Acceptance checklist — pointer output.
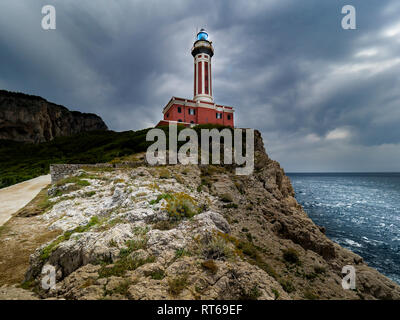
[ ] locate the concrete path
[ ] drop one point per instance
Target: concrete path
(19, 195)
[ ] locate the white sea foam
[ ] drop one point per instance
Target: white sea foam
(353, 243)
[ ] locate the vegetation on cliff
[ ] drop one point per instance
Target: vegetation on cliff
(22, 161)
(179, 232)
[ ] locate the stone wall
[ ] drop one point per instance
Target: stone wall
(61, 171)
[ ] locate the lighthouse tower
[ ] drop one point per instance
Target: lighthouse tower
(201, 109)
(202, 53)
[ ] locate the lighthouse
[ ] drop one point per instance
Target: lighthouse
(202, 53)
(201, 109)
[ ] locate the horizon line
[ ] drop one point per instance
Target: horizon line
(325, 172)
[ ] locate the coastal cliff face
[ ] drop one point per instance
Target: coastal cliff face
(33, 119)
(179, 232)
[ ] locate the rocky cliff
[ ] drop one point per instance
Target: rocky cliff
(33, 119)
(179, 232)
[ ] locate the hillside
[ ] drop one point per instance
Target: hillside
(33, 119)
(178, 232)
(87, 147)
(21, 161)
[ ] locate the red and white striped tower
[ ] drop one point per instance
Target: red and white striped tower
(202, 52)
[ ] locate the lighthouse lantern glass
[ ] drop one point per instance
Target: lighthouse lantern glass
(202, 36)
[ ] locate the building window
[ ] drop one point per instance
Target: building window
(191, 121)
(192, 112)
(180, 120)
(229, 117)
(167, 115)
(179, 110)
(219, 115)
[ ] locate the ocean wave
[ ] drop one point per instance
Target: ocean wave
(353, 243)
(361, 212)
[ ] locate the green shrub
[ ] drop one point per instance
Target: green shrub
(157, 275)
(253, 294)
(227, 197)
(86, 148)
(210, 266)
(176, 285)
(276, 293)
(287, 285)
(122, 288)
(319, 269)
(249, 237)
(180, 206)
(231, 205)
(164, 173)
(132, 245)
(89, 194)
(216, 248)
(48, 250)
(164, 225)
(310, 276)
(309, 295)
(181, 252)
(290, 255)
(160, 197)
(122, 265)
(75, 180)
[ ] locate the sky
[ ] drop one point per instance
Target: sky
(325, 99)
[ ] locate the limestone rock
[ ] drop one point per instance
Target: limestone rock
(33, 119)
(239, 237)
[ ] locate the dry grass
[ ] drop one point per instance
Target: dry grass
(18, 240)
(36, 206)
(177, 285)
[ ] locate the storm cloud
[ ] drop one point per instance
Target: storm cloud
(325, 99)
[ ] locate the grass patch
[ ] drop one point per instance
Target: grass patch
(164, 225)
(290, 255)
(3, 229)
(230, 206)
(160, 197)
(48, 250)
(163, 173)
(122, 288)
(309, 295)
(253, 294)
(181, 205)
(75, 180)
(89, 194)
(122, 265)
(157, 275)
(319, 269)
(177, 285)
(216, 248)
(226, 197)
(287, 285)
(250, 250)
(89, 282)
(27, 285)
(210, 266)
(179, 253)
(132, 245)
(276, 293)
(126, 260)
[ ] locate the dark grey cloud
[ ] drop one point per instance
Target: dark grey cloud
(325, 99)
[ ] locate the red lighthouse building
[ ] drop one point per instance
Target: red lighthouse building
(201, 109)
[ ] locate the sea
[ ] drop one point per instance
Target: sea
(360, 211)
